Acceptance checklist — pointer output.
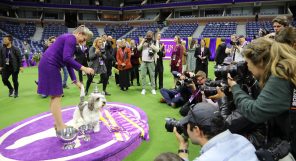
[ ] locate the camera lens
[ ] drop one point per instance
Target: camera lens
(171, 123)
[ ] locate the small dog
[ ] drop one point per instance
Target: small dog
(88, 112)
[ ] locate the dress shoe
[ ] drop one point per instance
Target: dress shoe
(11, 92)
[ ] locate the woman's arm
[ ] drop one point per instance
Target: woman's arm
(68, 51)
(273, 100)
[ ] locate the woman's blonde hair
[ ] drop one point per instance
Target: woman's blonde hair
(178, 39)
(84, 30)
(275, 58)
(96, 41)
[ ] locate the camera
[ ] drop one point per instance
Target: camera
(238, 69)
(170, 123)
(150, 52)
(234, 43)
(278, 150)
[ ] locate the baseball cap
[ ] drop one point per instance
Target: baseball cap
(202, 114)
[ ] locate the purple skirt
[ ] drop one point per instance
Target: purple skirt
(49, 79)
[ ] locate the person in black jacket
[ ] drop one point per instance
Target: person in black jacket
(202, 55)
(159, 62)
(109, 55)
(10, 64)
(220, 52)
(81, 57)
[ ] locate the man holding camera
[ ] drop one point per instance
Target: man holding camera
(234, 50)
(148, 49)
(181, 93)
(204, 126)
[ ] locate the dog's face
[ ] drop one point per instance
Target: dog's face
(96, 101)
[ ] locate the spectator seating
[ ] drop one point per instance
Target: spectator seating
(53, 30)
(141, 31)
(219, 29)
(20, 31)
(253, 27)
(117, 31)
(183, 30)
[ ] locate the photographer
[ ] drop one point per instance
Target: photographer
(97, 57)
(273, 64)
(148, 49)
(204, 126)
(181, 93)
(234, 51)
(202, 55)
(199, 80)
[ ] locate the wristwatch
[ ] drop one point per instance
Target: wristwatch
(183, 151)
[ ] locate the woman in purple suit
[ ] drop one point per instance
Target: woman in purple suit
(60, 54)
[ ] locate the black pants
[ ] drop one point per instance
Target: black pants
(159, 73)
(203, 67)
(109, 67)
(124, 79)
(104, 79)
(135, 73)
(6, 73)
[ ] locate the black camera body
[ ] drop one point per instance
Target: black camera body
(180, 83)
(150, 52)
(234, 43)
(170, 123)
(278, 150)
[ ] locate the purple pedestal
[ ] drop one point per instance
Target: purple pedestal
(34, 138)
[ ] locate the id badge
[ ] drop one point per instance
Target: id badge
(174, 57)
(7, 61)
(101, 62)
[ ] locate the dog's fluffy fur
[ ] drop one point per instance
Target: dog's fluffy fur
(88, 112)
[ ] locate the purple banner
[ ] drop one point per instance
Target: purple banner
(169, 45)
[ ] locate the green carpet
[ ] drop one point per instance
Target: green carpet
(28, 104)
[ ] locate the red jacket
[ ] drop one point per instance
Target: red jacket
(123, 57)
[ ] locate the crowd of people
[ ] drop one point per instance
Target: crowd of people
(236, 117)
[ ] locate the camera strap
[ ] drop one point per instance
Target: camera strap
(233, 57)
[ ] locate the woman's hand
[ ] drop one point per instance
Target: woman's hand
(87, 70)
(217, 96)
(230, 80)
(78, 84)
(97, 51)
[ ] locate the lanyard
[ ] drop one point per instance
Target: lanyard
(8, 53)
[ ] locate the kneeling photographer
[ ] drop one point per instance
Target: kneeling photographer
(273, 64)
(181, 93)
(197, 87)
(204, 126)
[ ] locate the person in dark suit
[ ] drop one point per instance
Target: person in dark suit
(10, 64)
(109, 54)
(135, 56)
(81, 53)
(202, 55)
(220, 52)
(159, 62)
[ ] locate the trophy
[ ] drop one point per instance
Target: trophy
(67, 137)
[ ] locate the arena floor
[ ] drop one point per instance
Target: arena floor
(28, 104)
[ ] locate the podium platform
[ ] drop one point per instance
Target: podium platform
(34, 138)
